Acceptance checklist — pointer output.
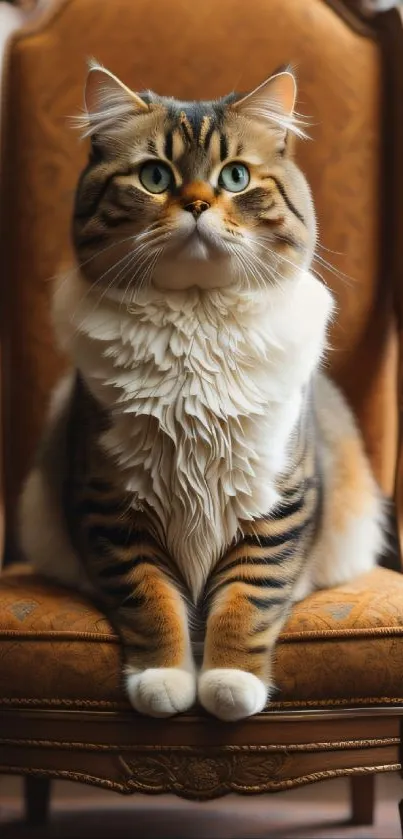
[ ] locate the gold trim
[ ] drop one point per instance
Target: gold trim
(201, 777)
(350, 703)
(59, 634)
(126, 715)
(338, 745)
(347, 634)
(286, 638)
(65, 703)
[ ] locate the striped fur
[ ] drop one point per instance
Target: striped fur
(199, 472)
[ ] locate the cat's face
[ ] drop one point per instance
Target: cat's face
(180, 194)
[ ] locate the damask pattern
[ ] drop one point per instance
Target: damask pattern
(341, 646)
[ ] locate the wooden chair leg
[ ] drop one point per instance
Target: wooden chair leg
(362, 789)
(37, 799)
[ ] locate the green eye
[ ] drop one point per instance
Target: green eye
(155, 176)
(234, 177)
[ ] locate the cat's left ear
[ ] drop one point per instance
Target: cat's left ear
(273, 101)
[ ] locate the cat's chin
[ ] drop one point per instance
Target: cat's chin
(185, 273)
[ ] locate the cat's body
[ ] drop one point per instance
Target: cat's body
(199, 464)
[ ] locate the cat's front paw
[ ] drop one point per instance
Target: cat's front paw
(161, 691)
(231, 694)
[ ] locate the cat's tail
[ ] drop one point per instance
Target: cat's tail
(42, 532)
(351, 536)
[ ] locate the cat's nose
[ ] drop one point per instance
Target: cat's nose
(197, 207)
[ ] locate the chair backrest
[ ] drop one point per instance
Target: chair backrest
(201, 50)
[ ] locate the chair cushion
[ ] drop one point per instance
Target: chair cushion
(340, 647)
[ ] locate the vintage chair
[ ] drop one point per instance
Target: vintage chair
(339, 666)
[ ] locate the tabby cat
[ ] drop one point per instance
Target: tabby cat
(198, 473)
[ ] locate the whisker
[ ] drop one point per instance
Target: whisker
(346, 278)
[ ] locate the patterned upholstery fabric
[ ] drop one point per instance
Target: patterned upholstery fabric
(340, 647)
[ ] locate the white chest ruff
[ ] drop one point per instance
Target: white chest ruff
(204, 393)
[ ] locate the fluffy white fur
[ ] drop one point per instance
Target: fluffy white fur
(204, 389)
(161, 691)
(231, 694)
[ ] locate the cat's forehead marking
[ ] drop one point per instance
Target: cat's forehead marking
(196, 121)
(186, 126)
(205, 126)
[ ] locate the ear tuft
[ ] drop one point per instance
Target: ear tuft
(274, 101)
(107, 101)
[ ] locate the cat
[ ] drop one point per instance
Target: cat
(199, 471)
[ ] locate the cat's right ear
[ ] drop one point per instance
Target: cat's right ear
(108, 101)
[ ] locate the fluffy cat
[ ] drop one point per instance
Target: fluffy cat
(198, 468)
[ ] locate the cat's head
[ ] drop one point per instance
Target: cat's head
(180, 194)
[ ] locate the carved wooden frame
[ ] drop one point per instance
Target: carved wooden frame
(270, 753)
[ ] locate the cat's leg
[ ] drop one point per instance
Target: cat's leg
(351, 537)
(153, 624)
(248, 604)
(133, 576)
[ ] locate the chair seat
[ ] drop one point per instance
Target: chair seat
(340, 647)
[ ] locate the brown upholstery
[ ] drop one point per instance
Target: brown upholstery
(59, 651)
(339, 665)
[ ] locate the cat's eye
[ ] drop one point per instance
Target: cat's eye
(234, 177)
(155, 176)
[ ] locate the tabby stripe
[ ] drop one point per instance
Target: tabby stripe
(113, 221)
(133, 601)
(81, 214)
(124, 566)
(287, 200)
(94, 204)
(287, 495)
(275, 541)
(277, 526)
(168, 146)
(118, 536)
(259, 562)
(209, 134)
(151, 147)
(283, 511)
(265, 603)
(100, 506)
(186, 127)
(223, 147)
(258, 582)
(123, 591)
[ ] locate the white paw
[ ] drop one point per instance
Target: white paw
(161, 691)
(231, 694)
